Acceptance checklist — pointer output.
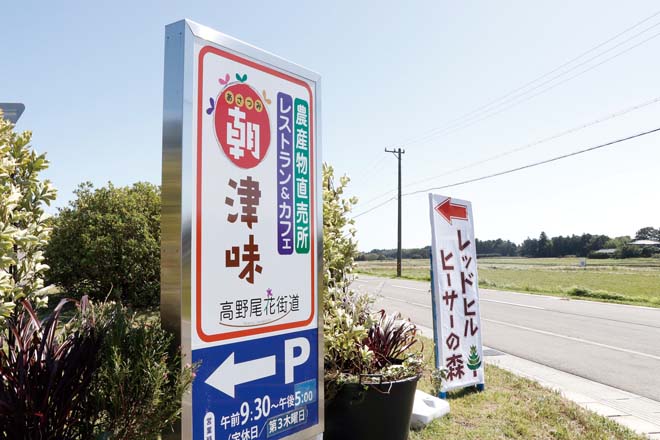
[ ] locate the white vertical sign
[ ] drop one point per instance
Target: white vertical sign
(242, 236)
(457, 324)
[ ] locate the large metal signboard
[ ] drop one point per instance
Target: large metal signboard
(456, 319)
(246, 245)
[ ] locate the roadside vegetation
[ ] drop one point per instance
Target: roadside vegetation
(106, 244)
(627, 281)
(585, 245)
(72, 367)
(514, 408)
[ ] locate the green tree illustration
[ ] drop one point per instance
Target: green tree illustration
(474, 361)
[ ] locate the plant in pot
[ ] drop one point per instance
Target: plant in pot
(371, 369)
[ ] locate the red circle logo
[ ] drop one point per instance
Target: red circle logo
(242, 125)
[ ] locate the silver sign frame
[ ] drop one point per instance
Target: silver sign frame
(178, 189)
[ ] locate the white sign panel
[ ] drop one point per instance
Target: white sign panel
(455, 293)
(255, 192)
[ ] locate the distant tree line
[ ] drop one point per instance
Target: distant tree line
(390, 254)
(499, 248)
(578, 245)
(585, 245)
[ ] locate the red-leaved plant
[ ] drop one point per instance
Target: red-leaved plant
(389, 338)
(45, 373)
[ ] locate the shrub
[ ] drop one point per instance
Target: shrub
(346, 324)
(45, 376)
(24, 227)
(339, 245)
(107, 241)
(357, 343)
(138, 387)
(628, 251)
(649, 251)
(596, 294)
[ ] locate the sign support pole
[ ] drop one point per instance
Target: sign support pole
(436, 346)
(176, 208)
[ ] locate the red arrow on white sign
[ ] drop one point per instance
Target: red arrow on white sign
(450, 210)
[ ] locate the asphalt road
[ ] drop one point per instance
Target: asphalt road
(613, 344)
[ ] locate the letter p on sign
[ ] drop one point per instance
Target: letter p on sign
(290, 359)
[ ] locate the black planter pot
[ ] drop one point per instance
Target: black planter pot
(374, 411)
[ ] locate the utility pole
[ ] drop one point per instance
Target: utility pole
(398, 152)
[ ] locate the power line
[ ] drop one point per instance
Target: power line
(466, 123)
(531, 165)
(375, 207)
(526, 146)
(506, 95)
(521, 98)
(378, 197)
(540, 141)
(375, 166)
(535, 164)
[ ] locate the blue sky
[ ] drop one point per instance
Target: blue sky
(91, 74)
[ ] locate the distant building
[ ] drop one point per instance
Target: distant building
(645, 243)
(605, 251)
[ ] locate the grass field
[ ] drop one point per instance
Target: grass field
(514, 408)
(629, 281)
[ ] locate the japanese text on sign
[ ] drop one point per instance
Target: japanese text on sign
(249, 193)
(285, 197)
(302, 176)
(455, 291)
(255, 231)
